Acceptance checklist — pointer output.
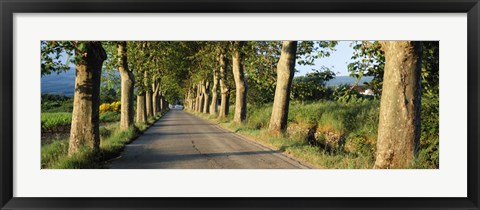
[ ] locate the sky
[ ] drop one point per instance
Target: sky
(337, 62)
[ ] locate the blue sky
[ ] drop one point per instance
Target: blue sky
(337, 62)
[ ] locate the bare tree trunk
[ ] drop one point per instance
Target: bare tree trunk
(285, 72)
(197, 100)
(141, 109)
(162, 103)
(214, 103)
(187, 100)
(399, 121)
(202, 96)
(223, 112)
(155, 98)
(84, 130)
(240, 85)
(206, 100)
(148, 102)
(127, 83)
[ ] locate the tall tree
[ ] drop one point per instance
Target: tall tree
(127, 84)
(214, 103)
(84, 131)
(399, 121)
(240, 83)
(148, 80)
(285, 73)
(137, 54)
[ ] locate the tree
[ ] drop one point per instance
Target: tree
(148, 80)
(240, 83)
(84, 131)
(223, 112)
(399, 121)
(127, 84)
(206, 96)
(138, 62)
(285, 72)
(214, 103)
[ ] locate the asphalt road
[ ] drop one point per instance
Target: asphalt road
(181, 140)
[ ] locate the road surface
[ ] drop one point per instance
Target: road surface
(184, 141)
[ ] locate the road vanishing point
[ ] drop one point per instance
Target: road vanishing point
(180, 140)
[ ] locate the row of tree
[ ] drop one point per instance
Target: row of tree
(398, 66)
(198, 72)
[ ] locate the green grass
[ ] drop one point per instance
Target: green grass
(112, 142)
(109, 117)
(53, 120)
(345, 133)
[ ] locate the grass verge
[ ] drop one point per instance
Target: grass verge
(330, 134)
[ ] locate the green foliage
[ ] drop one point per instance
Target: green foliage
(430, 68)
(312, 86)
(348, 94)
(51, 53)
(53, 120)
(429, 140)
(368, 59)
(56, 103)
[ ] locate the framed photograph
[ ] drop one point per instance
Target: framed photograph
(239, 105)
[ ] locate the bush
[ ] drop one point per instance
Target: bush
(56, 103)
(109, 116)
(110, 107)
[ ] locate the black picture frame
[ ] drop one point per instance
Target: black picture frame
(9, 7)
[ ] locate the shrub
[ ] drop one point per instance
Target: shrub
(56, 103)
(110, 107)
(109, 116)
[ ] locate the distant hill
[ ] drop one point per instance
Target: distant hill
(342, 80)
(64, 83)
(61, 84)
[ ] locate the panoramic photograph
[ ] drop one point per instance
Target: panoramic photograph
(360, 104)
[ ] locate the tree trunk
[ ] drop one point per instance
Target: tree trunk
(399, 121)
(197, 100)
(240, 85)
(206, 97)
(148, 103)
(141, 109)
(285, 73)
(187, 100)
(84, 132)
(223, 112)
(127, 83)
(154, 99)
(214, 103)
(202, 96)
(162, 103)
(192, 98)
